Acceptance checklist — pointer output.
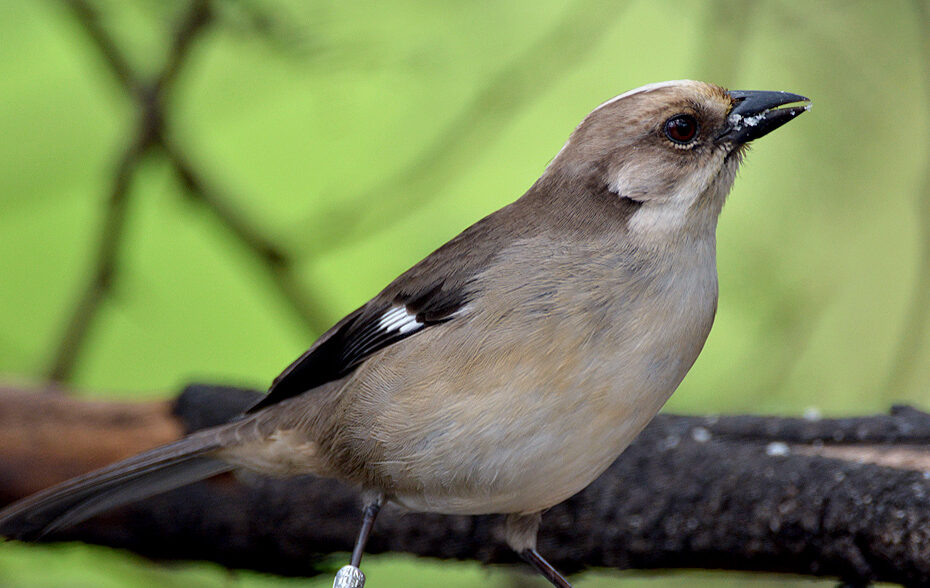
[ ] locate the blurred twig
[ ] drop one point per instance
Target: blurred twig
(727, 26)
(917, 320)
(515, 84)
(89, 19)
(518, 82)
(276, 260)
(279, 29)
(99, 286)
(150, 98)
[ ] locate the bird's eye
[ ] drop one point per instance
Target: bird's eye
(681, 128)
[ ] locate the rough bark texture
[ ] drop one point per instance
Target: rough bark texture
(847, 498)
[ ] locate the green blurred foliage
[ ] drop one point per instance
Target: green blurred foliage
(359, 136)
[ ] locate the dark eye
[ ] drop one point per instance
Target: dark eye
(681, 128)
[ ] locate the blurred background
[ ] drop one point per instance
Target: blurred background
(193, 191)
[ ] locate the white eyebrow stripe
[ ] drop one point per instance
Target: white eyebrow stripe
(647, 88)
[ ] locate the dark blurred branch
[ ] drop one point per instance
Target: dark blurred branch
(916, 325)
(89, 20)
(278, 262)
(110, 239)
(47, 437)
(727, 25)
(282, 29)
(478, 125)
(846, 498)
(193, 23)
(515, 84)
(151, 132)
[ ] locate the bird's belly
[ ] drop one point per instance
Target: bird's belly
(520, 440)
(510, 469)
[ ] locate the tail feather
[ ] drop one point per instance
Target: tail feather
(149, 473)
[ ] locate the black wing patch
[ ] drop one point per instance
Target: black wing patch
(367, 330)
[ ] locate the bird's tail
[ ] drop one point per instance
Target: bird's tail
(146, 474)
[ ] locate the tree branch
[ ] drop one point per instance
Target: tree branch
(846, 498)
(149, 101)
(150, 98)
(89, 20)
(278, 262)
(108, 246)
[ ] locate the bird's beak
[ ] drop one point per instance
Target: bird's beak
(755, 114)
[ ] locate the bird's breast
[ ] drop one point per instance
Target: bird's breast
(535, 391)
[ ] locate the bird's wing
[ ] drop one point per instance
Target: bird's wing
(381, 322)
(429, 293)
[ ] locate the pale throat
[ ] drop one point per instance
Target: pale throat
(692, 207)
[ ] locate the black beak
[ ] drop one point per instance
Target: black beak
(755, 114)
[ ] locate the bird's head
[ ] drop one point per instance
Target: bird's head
(672, 148)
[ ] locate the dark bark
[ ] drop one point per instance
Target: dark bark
(846, 498)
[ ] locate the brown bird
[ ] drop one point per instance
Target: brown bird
(508, 369)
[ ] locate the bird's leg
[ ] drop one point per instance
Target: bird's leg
(372, 507)
(545, 568)
(350, 576)
(520, 531)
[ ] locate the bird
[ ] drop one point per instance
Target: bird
(510, 367)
